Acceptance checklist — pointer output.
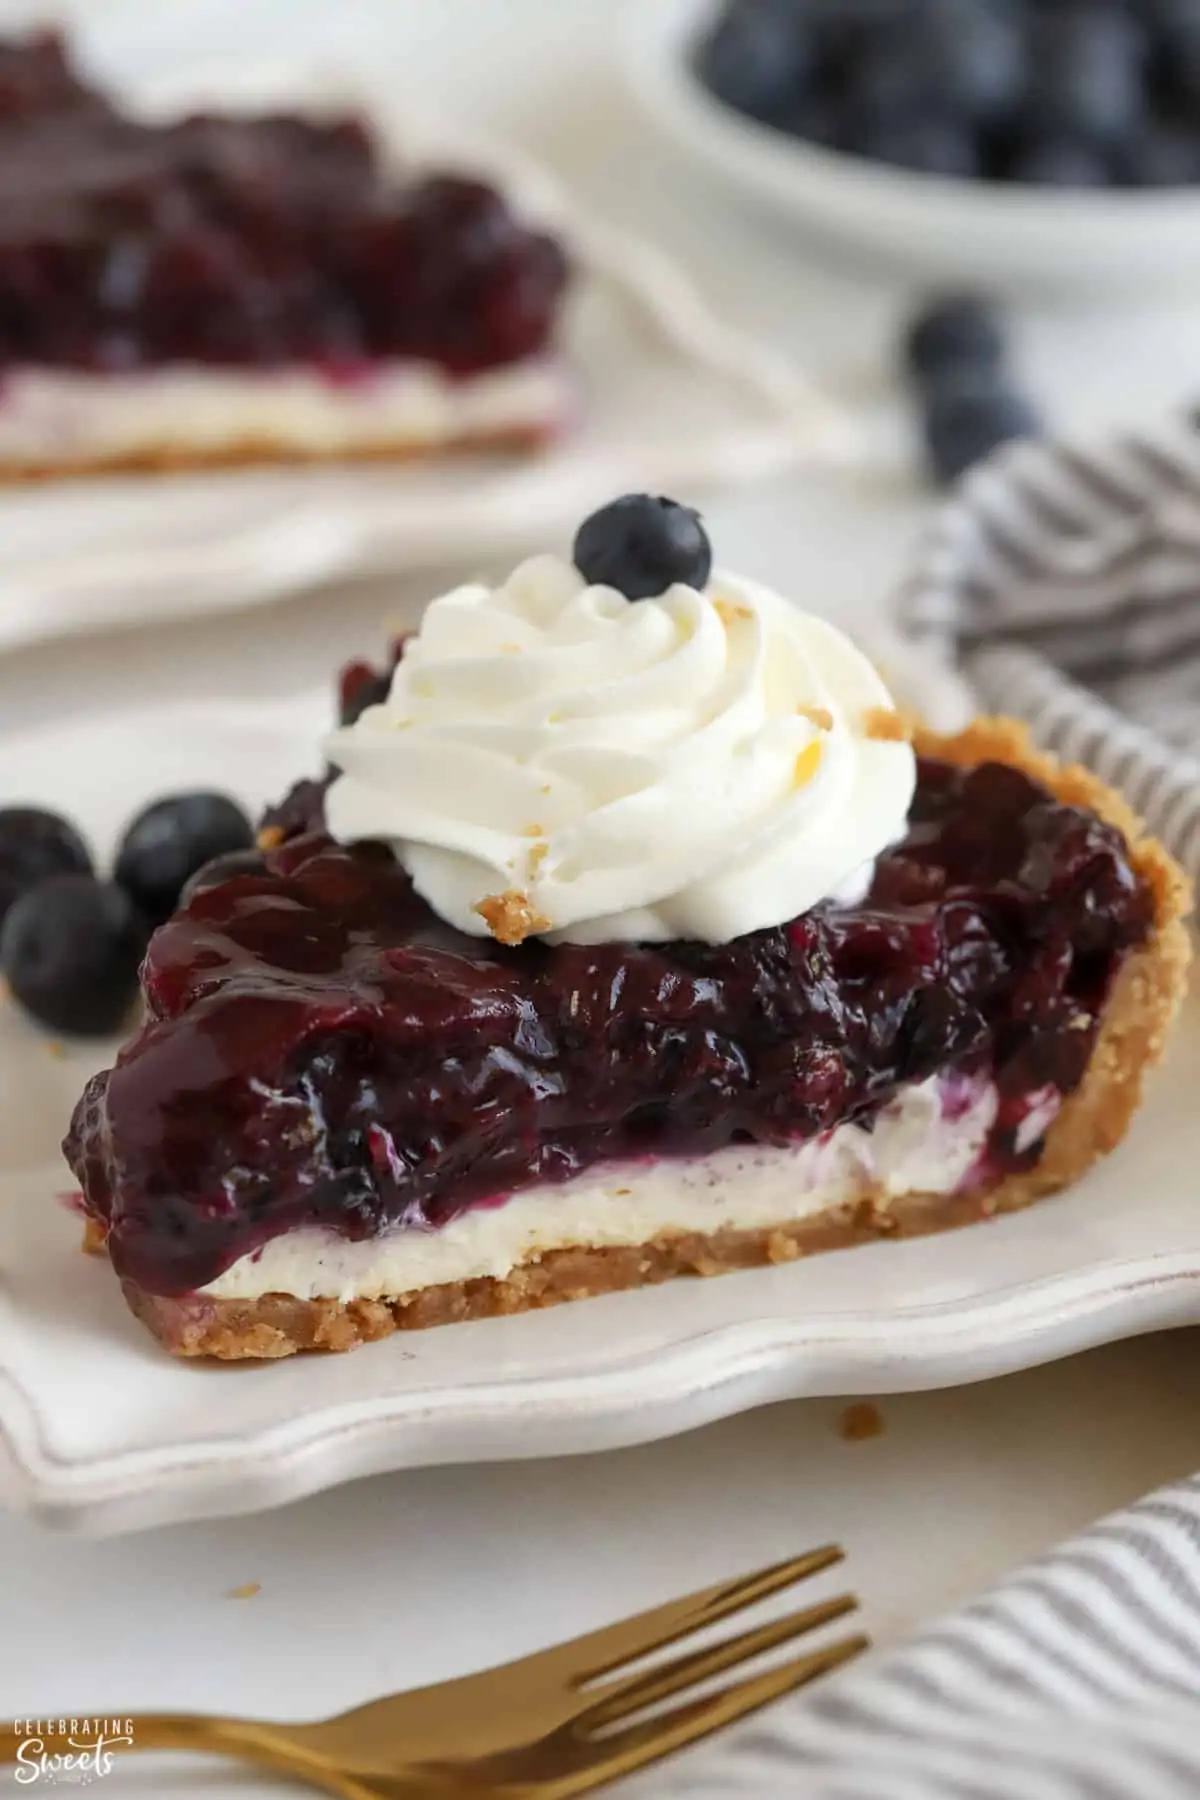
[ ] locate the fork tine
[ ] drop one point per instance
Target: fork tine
(618, 1700)
(601, 1652)
(639, 1745)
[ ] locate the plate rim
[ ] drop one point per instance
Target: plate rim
(656, 1393)
(686, 1377)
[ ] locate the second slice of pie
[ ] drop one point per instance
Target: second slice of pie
(221, 290)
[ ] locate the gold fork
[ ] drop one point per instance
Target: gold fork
(558, 1723)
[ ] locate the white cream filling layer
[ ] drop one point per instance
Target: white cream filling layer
(64, 416)
(929, 1140)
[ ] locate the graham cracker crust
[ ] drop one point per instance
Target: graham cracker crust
(1093, 1120)
(267, 452)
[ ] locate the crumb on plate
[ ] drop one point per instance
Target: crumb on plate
(860, 1421)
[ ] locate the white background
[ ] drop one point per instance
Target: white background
(417, 1577)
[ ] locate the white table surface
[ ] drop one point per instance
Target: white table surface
(417, 1577)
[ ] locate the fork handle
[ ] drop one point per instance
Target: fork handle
(248, 1740)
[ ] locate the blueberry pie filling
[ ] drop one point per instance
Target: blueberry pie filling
(236, 289)
(627, 937)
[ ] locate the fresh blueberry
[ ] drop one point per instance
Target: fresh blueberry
(1174, 27)
(640, 544)
(170, 840)
(222, 869)
(1059, 159)
(958, 332)
(756, 58)
(70, 951)
(818, 119)
(1087, 72)
(841, 33)
(1164, 153)
(930, 143)
(959, 56)
(35, 844)
(966, 421)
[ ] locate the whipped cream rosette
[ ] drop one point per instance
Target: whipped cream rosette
(555, 758)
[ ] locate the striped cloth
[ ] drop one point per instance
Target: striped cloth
(1065, 581)
(1077, 1679)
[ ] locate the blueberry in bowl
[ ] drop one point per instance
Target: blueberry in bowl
(1084, 75)
(630, 934)
(1011, 141)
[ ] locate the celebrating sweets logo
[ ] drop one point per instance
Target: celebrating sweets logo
(77, 1751)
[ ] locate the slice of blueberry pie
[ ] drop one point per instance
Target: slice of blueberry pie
(633, 934)
(220, 290)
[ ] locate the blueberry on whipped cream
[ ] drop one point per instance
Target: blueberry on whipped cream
(561, 757)
(641, 544)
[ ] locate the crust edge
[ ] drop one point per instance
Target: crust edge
(1131, 1042)
(268, 452)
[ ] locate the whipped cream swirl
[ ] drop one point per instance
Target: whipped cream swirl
(556, 759)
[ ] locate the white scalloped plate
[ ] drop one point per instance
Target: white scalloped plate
(101, 1431)
(670, 397)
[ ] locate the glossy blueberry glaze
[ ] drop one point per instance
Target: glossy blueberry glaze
(320, 1049)
(265, 242)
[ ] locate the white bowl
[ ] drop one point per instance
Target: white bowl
(954, 231)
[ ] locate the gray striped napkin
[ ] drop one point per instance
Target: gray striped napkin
(1065, 579)
(1077, 1679)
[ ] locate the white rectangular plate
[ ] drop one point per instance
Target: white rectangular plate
(670, 398)
(102, 1431)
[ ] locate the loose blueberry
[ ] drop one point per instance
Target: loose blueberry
(641, 544)
(965, 422)
(170, 840)
(70, 950)
(35, 844)
(958, 332)
(756, 58)
(222, 869)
